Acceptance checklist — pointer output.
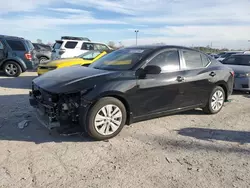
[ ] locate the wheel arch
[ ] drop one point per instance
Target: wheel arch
(120, 96)
(43, 56)
(224, 87)
(21, 64)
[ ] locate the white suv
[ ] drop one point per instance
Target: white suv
(75, 46)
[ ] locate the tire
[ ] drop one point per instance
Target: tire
(12, 69)
(43, 59)
(216, 101)
(102, 129)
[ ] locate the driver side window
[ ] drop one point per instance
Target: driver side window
(168, 61)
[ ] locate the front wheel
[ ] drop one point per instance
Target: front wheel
(216, 101)
(106, 118)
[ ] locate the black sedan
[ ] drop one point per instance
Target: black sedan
(130, 85)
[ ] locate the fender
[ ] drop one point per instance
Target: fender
(17, 60)
(120, 96)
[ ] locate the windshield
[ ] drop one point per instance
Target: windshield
(123, 59)
(89, 55)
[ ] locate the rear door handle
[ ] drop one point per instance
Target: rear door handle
(212, 74)
(180, 78)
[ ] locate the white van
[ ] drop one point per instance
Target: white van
(74, 46)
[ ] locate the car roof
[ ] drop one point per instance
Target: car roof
(83, 41)
(241, 54)
(11, 37)
(159, 47)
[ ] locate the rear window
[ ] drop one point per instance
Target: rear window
(29, 44)
(70, 45)
(237, 60)
(16, 45)
(58, 44)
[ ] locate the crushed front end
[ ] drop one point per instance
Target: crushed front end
(57, 110)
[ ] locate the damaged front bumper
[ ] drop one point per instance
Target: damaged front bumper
(57, 111)
(45, 114)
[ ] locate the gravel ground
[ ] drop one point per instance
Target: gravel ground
(190, 149)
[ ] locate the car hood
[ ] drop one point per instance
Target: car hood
(240, 68)
(66, 61)
(71, 79)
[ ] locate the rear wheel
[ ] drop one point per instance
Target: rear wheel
(216, 101)
(106, 118)
(12, 69)
(43, 59)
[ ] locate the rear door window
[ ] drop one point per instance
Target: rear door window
(87, 46)
(70, 45)
(16, 45)
(246, 60)
(193, 59)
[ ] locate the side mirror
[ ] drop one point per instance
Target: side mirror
(152, 69)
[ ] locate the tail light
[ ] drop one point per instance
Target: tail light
(232, 73)
(28, 56)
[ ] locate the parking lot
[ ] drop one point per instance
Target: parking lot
(190, 149)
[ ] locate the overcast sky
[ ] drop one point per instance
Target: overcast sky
(224, 23)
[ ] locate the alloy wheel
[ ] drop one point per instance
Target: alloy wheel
(217, 100)
(11, 69)
(108, 120)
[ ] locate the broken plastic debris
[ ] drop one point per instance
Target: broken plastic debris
(23, 124)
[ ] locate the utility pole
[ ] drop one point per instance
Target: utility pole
(136, 33)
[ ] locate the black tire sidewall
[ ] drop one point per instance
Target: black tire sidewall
(19, 70)
(210, 99)
(90, 126)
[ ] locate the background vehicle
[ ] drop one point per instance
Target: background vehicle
(43, 52)
(215, 56)
(240, 63)
(74, 46)
(130, 85)
(16, 55)
(83, 59)
(226, 55)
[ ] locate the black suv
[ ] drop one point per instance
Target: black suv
(16, 55)
(43, 52)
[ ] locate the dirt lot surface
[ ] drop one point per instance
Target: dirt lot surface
(184, 150)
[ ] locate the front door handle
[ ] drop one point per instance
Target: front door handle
(212, 74)
(180, 78)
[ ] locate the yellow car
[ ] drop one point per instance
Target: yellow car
(84, 59)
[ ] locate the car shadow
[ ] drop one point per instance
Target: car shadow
(22, 82)
(34, 131)
(189, 145)
(216, 134)
(245, 94)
